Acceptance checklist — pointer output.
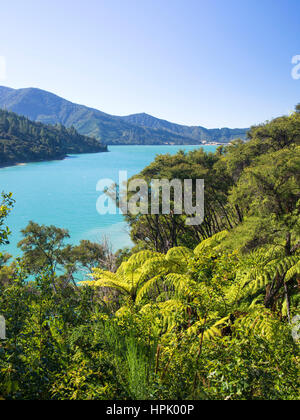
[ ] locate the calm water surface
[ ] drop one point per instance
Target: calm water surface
(63, 193)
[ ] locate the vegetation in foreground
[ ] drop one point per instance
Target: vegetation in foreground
(190, 313)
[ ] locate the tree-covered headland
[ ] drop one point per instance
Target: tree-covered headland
(22, 140)
(205, 312)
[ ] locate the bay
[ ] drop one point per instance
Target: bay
(63, 193)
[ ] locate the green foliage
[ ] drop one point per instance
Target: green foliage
(251, 188)
(175, 331)
(5, 208)
(46, 246)
(22, 140)
(163, 232)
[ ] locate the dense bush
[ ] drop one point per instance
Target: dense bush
(203, 313)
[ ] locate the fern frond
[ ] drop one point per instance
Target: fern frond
(139, 259)
(169, 310)
(103, 279)
(159, 266)
(210, 332)
(212, 242)
(260, 321)
(123, 311)
(149, 286)
(180, 254)
(293, 271)
(259, 277)
(181, 283)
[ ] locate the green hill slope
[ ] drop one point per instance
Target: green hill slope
(22, 140)
(195, 133)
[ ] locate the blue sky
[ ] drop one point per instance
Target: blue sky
(214, 63)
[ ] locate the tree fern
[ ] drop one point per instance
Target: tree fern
(259, 321)
(204, 327)
(276, 268)
(293, 272)
(212, 242)
(180, 254)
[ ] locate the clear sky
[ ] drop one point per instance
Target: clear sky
(214, 63)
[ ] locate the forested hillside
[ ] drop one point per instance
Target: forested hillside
(45, 107)
(222, 135)
(22, 140)
(204, 313)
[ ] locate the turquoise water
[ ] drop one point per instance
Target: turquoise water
(63, 193)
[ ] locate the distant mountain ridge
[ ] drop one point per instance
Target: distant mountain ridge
(45, 107)
(193, 132)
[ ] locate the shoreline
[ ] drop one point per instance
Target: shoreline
(172, 145)
(12, 164)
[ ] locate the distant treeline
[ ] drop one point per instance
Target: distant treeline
(22, 140)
